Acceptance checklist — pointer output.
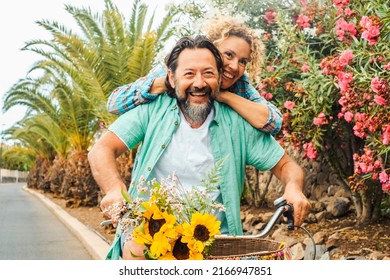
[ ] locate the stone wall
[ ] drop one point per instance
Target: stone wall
(329, 196)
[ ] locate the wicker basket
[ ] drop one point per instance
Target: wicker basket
(239, 248)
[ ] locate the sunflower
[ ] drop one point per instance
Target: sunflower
(156, 230)
(201, 231)
(181, 251)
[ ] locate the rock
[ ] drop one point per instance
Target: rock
(320, 216)
(309, 252)
(248, 221)
(297, 251)
(333, 241)
(338, 206)
(353, 257)
(317, 206)
(325, 256)
(334, 254)
(259, 226)
(282, 235)
(319, 237)
(332, 190)
(311, 218)
(376, 256)
(343, 193)
(320, 191)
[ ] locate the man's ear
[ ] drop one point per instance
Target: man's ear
(171, 78)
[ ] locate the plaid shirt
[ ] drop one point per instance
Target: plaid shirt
(126, 97)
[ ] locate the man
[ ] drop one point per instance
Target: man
(187, 132)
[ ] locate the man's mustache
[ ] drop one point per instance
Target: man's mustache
(199, 91)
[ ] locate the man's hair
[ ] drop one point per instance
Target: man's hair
(198, 42)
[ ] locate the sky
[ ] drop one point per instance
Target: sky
(17, 26)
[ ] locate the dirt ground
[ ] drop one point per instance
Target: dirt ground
(353, 240)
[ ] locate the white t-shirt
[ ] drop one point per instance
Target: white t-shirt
(188, 154)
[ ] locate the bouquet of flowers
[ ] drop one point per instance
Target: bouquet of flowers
(173, 222)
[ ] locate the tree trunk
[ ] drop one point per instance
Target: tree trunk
(367, 207)
(357, 202)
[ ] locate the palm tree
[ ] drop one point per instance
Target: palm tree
(79, 71)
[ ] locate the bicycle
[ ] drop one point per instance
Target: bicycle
(251, 247)
(246, 247)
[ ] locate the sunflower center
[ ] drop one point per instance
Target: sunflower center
(180, 250)
(201, 233)
(155, 225)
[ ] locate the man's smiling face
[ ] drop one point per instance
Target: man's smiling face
(196, 83)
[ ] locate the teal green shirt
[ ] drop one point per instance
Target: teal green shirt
(232, 139)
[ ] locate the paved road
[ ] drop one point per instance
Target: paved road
(29, 231)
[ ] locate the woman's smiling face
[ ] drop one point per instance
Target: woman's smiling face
(235, 53)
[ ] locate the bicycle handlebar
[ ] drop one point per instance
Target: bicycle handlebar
(283, 208)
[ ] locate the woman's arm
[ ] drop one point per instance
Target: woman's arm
(254, 113)
(247, 102)
(143, 90)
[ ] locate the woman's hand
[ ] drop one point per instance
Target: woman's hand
(158, 86)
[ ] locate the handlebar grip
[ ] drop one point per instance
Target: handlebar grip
(290, 217)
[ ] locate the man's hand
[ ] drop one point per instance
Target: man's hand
(299, 202)
(111, 206)
(291, 175)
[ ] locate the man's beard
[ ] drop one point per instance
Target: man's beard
(196, 113)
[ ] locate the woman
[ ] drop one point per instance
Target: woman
(241, 49)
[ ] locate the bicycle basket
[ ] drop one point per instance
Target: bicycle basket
(239, 248)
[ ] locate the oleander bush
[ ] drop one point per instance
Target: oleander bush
(328, 69)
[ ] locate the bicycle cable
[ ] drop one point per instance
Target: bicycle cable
(312, 239)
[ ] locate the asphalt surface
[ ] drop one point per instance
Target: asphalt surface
(34, 228)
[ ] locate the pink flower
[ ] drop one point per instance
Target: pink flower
(371, 31)
(371, 35)
(383, 177)
(359, 117)
(270, 17)
(343, 101)
(320, 119)
(261, 86)
(303, 3)
(344, 79)
(386, 135)
(344, 28)
(267, 95)
(289, 105)
(270, 68)
(348, 12)
(387, 66)
(358, 130)
(340, 3)
(365, 22)
(303, 21)
(346, 57)
(379, 100)
(310, 151)
(348, 116)
(378, 85)
(305, 68)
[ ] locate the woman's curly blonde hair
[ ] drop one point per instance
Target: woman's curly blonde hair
(222, 27)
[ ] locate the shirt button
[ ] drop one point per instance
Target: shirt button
(176, 122)
(162, 146)
(149, 168)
